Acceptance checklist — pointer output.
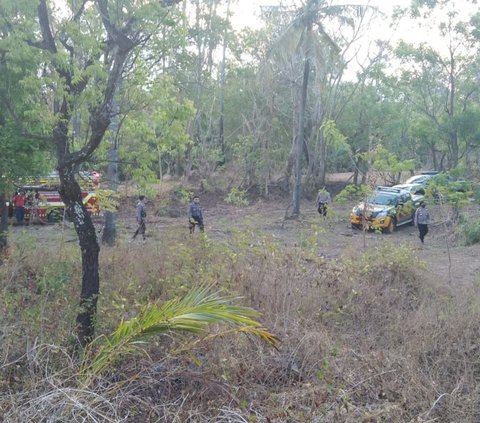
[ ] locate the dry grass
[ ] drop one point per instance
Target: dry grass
(366, 338)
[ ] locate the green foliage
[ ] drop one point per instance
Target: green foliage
(193, 313)
(20, 157)
(387, 164)
(107, 199)
(353, 193)
(334, 137)
(399, 258)
(152, 137)
(206, 159)
(237, 197)
(55, 276)
(444, 189)
(470, 229)
(184, 194)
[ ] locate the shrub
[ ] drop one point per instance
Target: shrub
(471, 231)
(183, 194)
(237, 197)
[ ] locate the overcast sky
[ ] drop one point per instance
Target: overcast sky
(247, 12)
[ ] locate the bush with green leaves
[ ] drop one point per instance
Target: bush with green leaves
(237, 197)
(183, 194)
(470, 229)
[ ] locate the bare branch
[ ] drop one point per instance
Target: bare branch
(48, 40)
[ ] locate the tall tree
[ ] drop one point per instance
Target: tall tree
(80, 53)
(315, 49)
(441, 81)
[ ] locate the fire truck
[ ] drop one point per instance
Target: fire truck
(51, 207)
(48, 205)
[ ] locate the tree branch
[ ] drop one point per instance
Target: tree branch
(48, 40)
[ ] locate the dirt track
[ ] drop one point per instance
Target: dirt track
(334, 235)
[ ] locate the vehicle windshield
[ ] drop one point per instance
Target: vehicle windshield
(382, 199)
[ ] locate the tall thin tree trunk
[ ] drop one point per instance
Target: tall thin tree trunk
(221, 134)
(297, 188)
(322, 160)
(3, 221)
(109, 233)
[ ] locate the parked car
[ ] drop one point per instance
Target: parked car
(419, 179)
(385, 209)
(416, 190)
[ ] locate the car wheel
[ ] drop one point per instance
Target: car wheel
(391, 226)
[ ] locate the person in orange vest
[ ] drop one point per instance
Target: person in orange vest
(19, 203)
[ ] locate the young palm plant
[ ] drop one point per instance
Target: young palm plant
(193, 313)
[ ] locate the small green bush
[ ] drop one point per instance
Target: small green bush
(237, 197)
(183, 194)
(55, 276)
(471, 231)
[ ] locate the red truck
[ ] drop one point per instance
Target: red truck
(49, 206)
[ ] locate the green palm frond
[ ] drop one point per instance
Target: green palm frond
(193, 313)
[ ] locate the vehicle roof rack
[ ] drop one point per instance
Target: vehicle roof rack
(389, 189)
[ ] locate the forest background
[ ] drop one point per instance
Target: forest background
(173, 93)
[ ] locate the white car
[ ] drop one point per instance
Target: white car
(416, 190)
(418, 179)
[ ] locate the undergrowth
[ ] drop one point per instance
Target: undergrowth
(364, 338)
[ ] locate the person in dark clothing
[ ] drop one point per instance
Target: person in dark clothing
(140, 215)
(195, 216)
(422, 218)
(322, 201)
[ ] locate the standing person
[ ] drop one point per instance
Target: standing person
(19, 203)
(195, 216)
(321, 203)
(422, 218)
(140, 215)
(35, 210)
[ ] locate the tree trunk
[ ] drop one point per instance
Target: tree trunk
(109, 234)
(72, 197)
(453, 149)
(434, 156)
(221, 128)
(297, 188)
(3, 221)
(322, 161)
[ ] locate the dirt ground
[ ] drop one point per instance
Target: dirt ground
(443, 253)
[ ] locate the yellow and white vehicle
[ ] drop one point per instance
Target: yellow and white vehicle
(385, 209)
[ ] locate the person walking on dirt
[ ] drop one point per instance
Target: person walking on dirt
(422, 219)
(195, 216)
(19, 203)
(321, 203)
(140, 215)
